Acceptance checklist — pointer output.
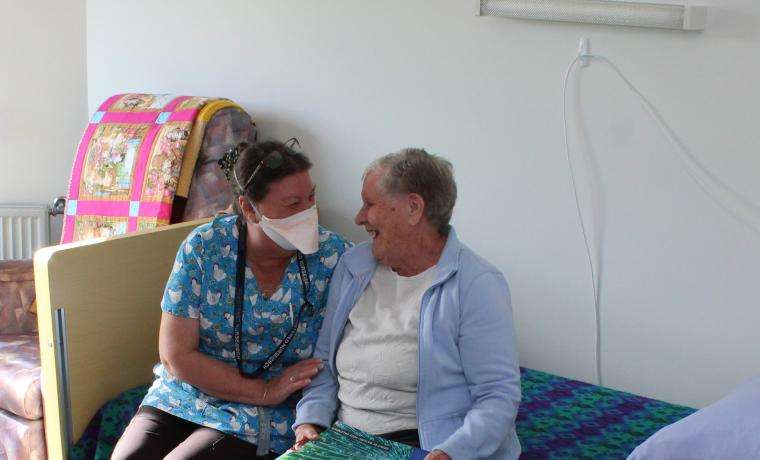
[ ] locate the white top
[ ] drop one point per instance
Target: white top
(377, 360)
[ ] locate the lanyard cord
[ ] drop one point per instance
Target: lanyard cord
(303, 271)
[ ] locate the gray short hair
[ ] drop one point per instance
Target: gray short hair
(414, 170)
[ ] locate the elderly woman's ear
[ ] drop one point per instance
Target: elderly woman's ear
(416, 208)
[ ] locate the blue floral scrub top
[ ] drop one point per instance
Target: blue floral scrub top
(202, 285)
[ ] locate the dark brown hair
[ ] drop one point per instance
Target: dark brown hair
(251, 155)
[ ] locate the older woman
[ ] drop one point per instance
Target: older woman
(241, 312)
(418, 333)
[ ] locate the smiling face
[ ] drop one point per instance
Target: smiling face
(287, 196)
(386, 219)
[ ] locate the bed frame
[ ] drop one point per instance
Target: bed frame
(98, 308)
(96, 343)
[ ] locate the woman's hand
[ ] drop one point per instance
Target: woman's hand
(294, 378)
(305, 433)
(437, 455)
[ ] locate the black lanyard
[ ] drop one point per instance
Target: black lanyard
(303, 271)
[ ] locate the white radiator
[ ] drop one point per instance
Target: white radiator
(23, 230)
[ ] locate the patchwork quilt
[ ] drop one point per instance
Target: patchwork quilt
(137, 153)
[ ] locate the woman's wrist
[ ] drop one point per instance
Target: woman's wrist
(255, 392)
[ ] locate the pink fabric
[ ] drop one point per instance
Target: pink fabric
(115, 208)
(129, 117)
(81, 152)
(128, 164)
(177, 102)
(21, 439)
(20, 391)
(68, 228)
(142, 162)
(183, 115)
(109, 102)
(162, 210)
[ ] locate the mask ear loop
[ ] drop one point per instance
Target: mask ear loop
(255, 210)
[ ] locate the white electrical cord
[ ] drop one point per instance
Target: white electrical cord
(592, 267)
(731, 201)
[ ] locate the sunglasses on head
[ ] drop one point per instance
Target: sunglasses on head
(272, 161)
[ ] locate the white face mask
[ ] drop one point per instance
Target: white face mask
(299, 231)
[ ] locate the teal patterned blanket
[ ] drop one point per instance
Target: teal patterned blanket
(559, 419)
(342, 442)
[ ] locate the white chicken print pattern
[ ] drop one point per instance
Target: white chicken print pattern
(202, 286)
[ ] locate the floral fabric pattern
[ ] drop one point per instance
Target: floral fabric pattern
(136, 155)
(17, 313)
(202, 285)
(20, 391)
(21, 439)
(110, 160)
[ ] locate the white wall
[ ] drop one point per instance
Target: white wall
(43, 97)
(355, 79)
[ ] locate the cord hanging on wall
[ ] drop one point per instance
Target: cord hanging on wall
(741, 208)
(615, 13)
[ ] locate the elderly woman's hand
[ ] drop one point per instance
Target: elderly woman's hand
(437, 455)
(294, 378)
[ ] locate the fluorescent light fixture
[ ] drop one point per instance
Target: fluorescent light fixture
(659, 15)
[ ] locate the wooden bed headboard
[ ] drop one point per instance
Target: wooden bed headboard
(98, 314)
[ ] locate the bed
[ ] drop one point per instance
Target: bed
(559, 418)
(99, 316)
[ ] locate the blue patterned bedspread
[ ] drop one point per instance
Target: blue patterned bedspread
(566, 419)
(558, 419)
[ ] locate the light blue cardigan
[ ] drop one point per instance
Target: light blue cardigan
(469, 380)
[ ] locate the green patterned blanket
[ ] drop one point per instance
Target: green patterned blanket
(558, 419)
(342, 442)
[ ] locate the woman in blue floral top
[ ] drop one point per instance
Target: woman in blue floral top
(219, 394)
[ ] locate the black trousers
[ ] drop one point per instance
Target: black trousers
(408, 437)
(155, 434)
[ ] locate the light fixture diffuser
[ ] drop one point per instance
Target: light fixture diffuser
(658, 15)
